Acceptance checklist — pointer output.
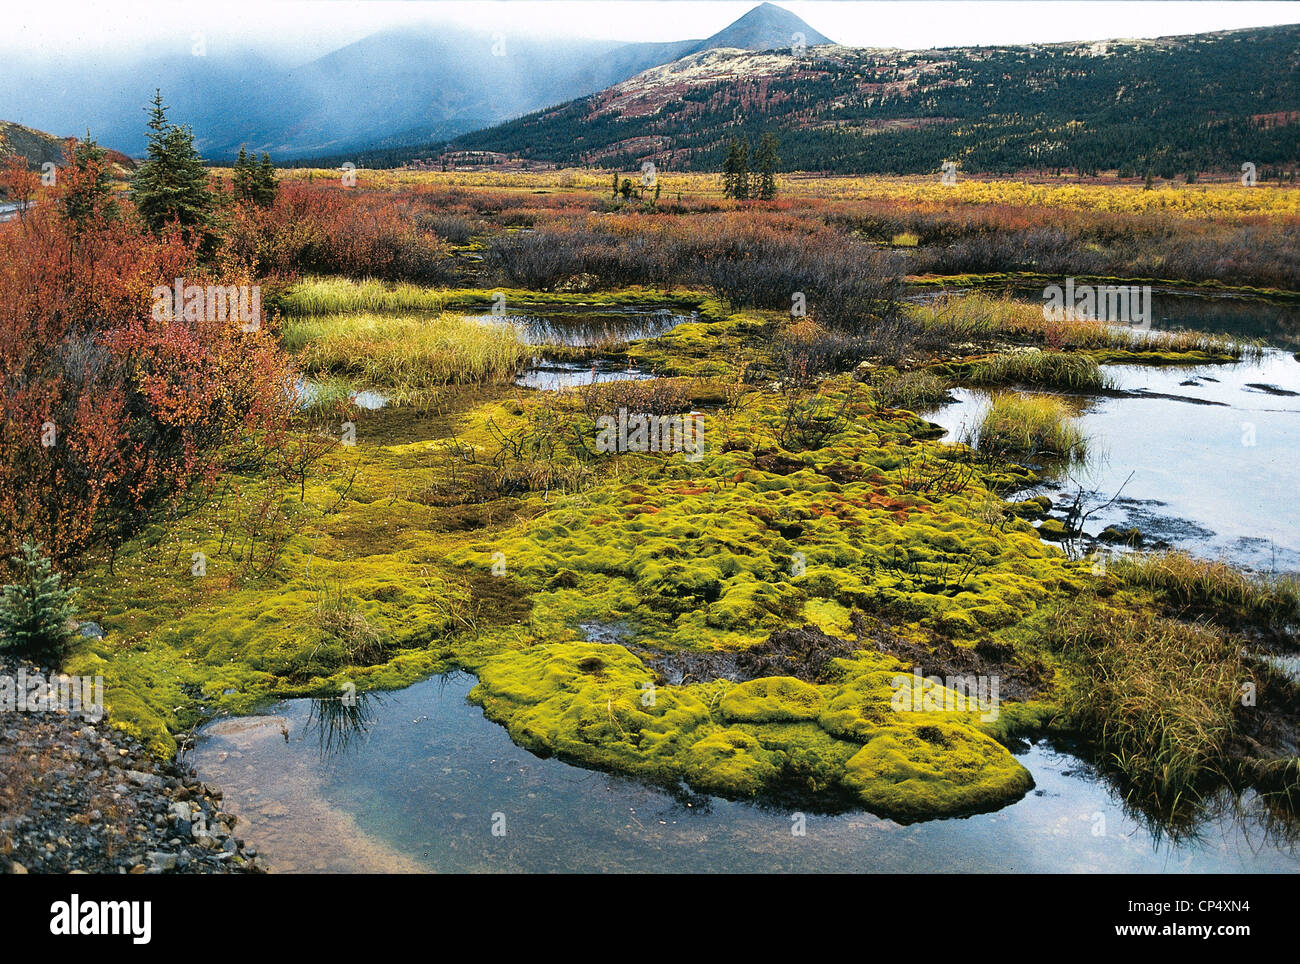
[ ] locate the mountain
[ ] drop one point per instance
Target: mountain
(38, 148)
(400, 86)
(1205, 102)
(766, 27)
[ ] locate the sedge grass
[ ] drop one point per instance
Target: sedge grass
(326, 296)
(1031, 425)
(1156, 694)
(405, 353)
(1050, 369)
(979, 315)
(910, 390)
(335, 295)
(1214, 587)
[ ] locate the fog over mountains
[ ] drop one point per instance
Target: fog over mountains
(399, 86)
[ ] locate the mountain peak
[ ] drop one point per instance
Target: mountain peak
(766, 27)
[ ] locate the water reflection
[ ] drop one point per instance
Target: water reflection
(421, 789)
(604, 327)
(552, 376)
(340, 723)
(1202, 459)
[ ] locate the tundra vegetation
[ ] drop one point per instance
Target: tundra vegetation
(238, 547)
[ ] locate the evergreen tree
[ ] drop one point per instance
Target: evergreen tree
(89, 195)
(172, 185)
(34, 612)
(243, 177)
(735, 170)
(265, 185)
(766, 161)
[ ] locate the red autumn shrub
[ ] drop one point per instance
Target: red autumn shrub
(320, 229)
(106, 411)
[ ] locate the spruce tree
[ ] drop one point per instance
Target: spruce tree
(89, 196)
(34, 612)
(735, 170)
(172, 185)
(766, 161)
(264, 182)
(243, 177)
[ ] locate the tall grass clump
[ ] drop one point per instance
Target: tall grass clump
(1050, 369)
(978, 315)
(345, 630)
(1157, 695)
(323, 296)
(910, 390)
(406, 353)
(1032, 425)
(1214, 588)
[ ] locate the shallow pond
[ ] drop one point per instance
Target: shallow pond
(587, 327)
(421, 784)
(307, 391)
(1212, 451)
(549, 375)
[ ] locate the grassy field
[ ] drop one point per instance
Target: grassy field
(1220, 200)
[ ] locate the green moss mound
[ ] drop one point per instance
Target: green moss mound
(940, 767)
(773, 699)
(442, 552)
(596, 704)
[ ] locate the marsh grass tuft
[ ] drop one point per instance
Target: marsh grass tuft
(911, 390)
(1158, 695)
(323, 296)
(1050, 369)
(1214, 588)
(338, 619)
(973, 316)
(1031, 425)
(406, 353)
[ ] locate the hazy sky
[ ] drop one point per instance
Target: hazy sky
(301, 29)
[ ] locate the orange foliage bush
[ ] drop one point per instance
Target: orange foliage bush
(106, 412)
(321, 229)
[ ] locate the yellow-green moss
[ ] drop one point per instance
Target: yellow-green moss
(772, 699)
(596, 704)
(940, 767)
(687, 556)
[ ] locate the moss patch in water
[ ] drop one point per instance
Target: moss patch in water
(596, 704)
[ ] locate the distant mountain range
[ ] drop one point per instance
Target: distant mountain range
(395, 87)
(1207, 102)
